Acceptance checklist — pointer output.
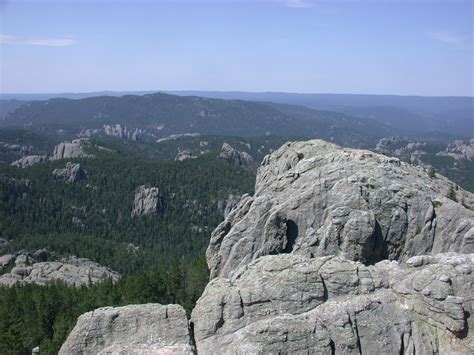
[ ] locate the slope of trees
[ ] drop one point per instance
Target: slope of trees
(161, 257)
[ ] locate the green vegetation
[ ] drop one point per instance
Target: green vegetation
(432, 173)
(32, 315)
(452, 194)
(161, 257)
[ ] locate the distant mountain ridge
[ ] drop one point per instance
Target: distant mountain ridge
(162, 114)
(451, 115)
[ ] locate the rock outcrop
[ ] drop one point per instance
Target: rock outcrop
(147, 201)
(459, 150)
(123, 132)
(74, 149)
(29, 160)
(225, 206)
(72, 271)
(73, 172)
(315, 199)
(237, 158)
(135, 329)
(17, 148)
(290, 303)
(184, 155)
(340, 251)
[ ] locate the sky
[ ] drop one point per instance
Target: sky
(404, 47)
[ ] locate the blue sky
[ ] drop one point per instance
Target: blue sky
(408, 47)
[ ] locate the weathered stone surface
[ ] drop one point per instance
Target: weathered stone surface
(74, 149)
(147, 201)
(339, 251)
(29, 160)
(72, 271)
(136, 329)
(73, 172)
(314, 198)
(459, 150)
(237, 158)
(226, 205)
(295, 304)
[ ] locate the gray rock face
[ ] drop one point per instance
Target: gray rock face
(71, 173)
(339, 251)
(147, 201)
(314, 198)
(237, 158)
(123, 132)
(29, 160)
(74, 149)
(295, 304)
(72, 271)
(459, 150)
(225, 206)
(135, 329)
(184, 155)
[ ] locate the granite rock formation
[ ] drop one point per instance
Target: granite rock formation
(74, 149)
(237, 158)
(73, 271)
(134, 329)
(339, 251)
(29, 160)
(315, 198)
(225, 206)
(147, 201)
(459, 150)
(290, 303)
(73, 172)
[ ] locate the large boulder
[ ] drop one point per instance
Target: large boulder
(147, 201)
(72, 271)
(315, 198)
(285, 304)
(135, 329)
(73, 172)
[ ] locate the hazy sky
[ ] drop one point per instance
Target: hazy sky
(422, 47)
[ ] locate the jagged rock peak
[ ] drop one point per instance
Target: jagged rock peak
(73, 172)
(315, 198)
(147, 201)
(135, 329)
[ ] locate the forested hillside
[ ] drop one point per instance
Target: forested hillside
(160, 256)
(159, 115)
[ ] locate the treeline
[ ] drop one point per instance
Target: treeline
(161, 257)
(32, 315)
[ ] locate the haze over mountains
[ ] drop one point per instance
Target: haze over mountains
(411, 114)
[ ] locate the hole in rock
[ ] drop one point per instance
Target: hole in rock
(291, 235)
